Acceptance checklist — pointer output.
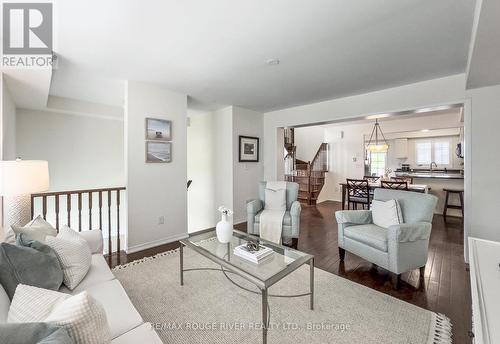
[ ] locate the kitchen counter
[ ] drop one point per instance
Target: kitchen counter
(439, 175)
(437, 180)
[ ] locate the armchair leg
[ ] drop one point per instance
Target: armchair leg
(396, 279)
(341, 254)
(422, 271)
(295, 243)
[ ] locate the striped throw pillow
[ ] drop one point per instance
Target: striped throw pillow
(73, 253)
(81, 315)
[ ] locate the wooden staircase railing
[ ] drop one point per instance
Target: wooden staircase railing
(106, 198)
(311, 175)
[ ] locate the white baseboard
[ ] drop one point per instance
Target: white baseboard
(154, 243)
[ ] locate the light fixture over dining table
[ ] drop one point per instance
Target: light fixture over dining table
(374, 144)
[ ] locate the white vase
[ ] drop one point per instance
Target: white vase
(224, 230)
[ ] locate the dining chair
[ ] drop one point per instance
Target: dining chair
(395, 185)
(409, 180)
(358, 192)
(372, 179)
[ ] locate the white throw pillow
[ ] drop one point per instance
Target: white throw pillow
(386, 214)
(73, 253)
(275, 199)
(33, 304)
(37, 229)
(81, 315)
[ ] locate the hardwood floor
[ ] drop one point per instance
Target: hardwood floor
(445, 287)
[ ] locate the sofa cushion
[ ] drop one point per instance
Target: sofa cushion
(94, 240)
(4, 305)
(39, 333)
(386, 213)
(287, 219)
(81, 315)
(73, 253)
(32, 304)
(37, 229)
(33, 266)
(99, 272)
(371, 235)
(142, 334)
(121, 314)
(275, 199)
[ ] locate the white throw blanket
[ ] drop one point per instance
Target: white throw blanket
(271, 218)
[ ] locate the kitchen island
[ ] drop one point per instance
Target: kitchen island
(437, 180)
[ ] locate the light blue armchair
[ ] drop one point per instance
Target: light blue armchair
(399, 248)
(291, 220)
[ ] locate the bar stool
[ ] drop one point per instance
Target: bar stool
(447, 206)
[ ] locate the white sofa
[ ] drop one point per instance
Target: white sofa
(127, 326)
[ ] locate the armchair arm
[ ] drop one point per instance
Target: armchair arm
(409, 232)
(353, 217)
(295, 210)
(253, 207)
(408, 245)
(94, 239)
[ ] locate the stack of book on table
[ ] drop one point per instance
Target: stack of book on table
(262, 254)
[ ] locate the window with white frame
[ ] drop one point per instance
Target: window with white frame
(377, 163)
(442, 153)
(424, 153)
(434, 150)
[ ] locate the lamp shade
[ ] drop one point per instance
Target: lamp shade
(380, 148)
(23, 177)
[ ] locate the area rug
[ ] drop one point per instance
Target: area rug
(211, 309)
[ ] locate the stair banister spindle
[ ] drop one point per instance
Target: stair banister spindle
(57, 211)
(110, 247)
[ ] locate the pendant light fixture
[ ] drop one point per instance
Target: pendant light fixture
(377, 146)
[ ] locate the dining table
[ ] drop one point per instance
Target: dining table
(422, 188)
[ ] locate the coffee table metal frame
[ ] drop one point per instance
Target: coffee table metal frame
(263, 285)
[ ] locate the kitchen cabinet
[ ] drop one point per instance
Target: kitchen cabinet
(401, 148)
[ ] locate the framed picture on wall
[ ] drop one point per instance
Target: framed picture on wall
(248, 149)
(158, 129)
(158, 152)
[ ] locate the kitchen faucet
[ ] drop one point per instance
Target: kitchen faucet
(432, 164)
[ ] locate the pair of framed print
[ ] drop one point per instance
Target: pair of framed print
(158, 135)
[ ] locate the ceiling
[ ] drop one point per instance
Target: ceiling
(484, 61)
(217, 51)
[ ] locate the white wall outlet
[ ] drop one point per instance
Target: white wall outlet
(161, 220)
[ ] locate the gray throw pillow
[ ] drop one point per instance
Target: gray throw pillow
(34, 333)
(36, 265)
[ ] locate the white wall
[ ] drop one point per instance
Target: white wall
(484, 203)
(481, 124)
(201, 169)
(308, 140)
(8, 124)
(218, 177)
(7, 132)
(223, 158)
(83, 152)
(155, 189)
(246, 175)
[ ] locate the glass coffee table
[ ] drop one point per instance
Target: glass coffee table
(263, 275)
